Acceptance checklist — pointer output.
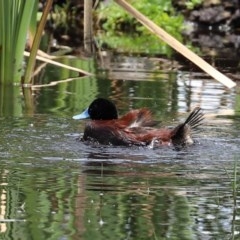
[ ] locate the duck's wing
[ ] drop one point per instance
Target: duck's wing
(138, 118)
(110, 132)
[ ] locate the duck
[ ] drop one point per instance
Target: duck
(137, 127)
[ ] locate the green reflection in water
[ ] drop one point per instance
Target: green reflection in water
(53, 204)
(40, 202)
(67, 97)
(73, 97)
(157, 91)
(85, 197)
(63, 96)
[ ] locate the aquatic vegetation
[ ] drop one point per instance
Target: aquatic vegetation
(15, 21)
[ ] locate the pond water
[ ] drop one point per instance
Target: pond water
(55, 187)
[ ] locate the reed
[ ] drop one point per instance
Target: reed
(31, 61)
(15, 17)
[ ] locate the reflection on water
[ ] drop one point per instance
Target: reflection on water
(55, 187)
(194, 89)
(59, 188)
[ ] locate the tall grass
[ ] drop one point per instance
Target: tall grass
(15, 16)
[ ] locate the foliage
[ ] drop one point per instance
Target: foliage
(15, 17)
(192, 3)
(159, 11)
(135, 43)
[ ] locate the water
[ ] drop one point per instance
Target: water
(55, 187)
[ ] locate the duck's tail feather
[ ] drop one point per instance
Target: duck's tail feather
(181, 135)
(195, 118)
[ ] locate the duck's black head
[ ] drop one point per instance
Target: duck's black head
(99, 109)
(102, 109)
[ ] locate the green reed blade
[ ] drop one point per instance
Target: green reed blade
(2, 39)
(15, 16)
(23, 19)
